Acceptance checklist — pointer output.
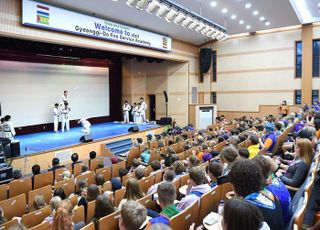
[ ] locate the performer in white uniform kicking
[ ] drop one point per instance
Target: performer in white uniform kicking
(133, 112)
(126, 108)
(64, 98)
(85, 125)
(8, 128)
(143, 109)
(56, 115)
(65, 117)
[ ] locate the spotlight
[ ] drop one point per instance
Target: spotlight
(171, 15)
(194, 24)
(206, 30)
(153, 6)
(132, 3)
(179, 18)
(187, 21)
(163, 10)
(211, 32)
(141, 4)
(200, 27)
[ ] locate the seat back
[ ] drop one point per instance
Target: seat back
(36, 217)
(15, 206)
(133, 153)
(3, 192)
(43, 226)
(148, 202)
(116, 167)
(90, 210)
(58, 174)
(153, 144)
(9, 224)
(225, 188)
(148, 170)
(78, 214)
(73, 200)
(209, 203)
(93, 163)
(110, 222)
(118, 196)
(146, 183)
(89, 177)
(45, 191)
(18, 187)
(67, 185)
(299, 215)
(219, 146)
(184, 180)
(43, 179)
(107, 186)
(89, 226)
(184, 219)
(77, 168)
(158, 176)
(106, 172)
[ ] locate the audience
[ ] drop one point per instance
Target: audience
(227, 156)
(139, 173)
(17, 174)
(39, 202)
(168, 176)
(103, 208)
(99, 179)
(60, 193)
(55, 164)
(133, 215)
(214, 171)
(253, 145)
(89, 195)
(133, 192)
(54, 202)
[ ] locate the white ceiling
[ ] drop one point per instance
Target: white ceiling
(278, 12)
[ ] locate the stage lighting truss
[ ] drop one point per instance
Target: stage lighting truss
(173, 12)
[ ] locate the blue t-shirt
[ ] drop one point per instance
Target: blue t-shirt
(145, 156)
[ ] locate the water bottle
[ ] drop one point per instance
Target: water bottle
(220, 207)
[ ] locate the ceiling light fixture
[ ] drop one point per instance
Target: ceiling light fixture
(194, 24)
(187, 22)
(171, 15)
(181, 16)
(248, 27)
(132, 3)
(255, 12)
(163, 10)
(224, 10)
(142, 4)
(233, 16)
(153, 6)
(261, 18)
(267, 23)
(213, 4)
(200, 27)
(248, 5)
(241, 22)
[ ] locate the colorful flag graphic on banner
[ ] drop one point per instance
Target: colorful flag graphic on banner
(43, 14)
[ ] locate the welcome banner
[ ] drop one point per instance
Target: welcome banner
(53, 18)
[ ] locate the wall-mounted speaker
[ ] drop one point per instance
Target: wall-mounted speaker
(205, 59)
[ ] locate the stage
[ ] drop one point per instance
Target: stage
(48, 141)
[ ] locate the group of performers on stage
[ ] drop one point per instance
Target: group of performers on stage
(138, 112)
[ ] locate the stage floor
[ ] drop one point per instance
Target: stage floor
(46, 141)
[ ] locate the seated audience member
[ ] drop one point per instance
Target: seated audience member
(246, 178)
(228, 155)
(155, 165)
(35, 171)
(84, 169)
(116, 184)
(103, 208)
(100, 165)
(145, 155)
(278, 129)
(99, 179)
(17, 174)
(92, 193)
(81, 187)
(135, 164)
(268, 140)
(75, 160)
(167, 156)
(55, 200)
(63, 217)
(92, 156)
(179, 169)
(196, 187)
(244, 153)
(66, 174)
(296, 172)
(168, 176)
(160, 226)
(55, 164)
(133, 215)
(166, 197)
(253, 145)
(133, 192)
(214, 171)
(60, 193)
(241, 214)
(39, 202)
(193, 161)
(204, 148)
(123, 172)
(208, 156)
(274, 185)
(139, 173)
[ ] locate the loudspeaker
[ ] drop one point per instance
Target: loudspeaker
(165, 121)
(12, 150)
(133, 129)
(205, 59)
(165, 96)
(86, 138)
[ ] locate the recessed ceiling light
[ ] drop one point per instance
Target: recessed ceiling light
(319, 4)
(255, 12)
(241, 22)
(248, 27)
(213, 4)
(267, 23)
(224, 10)
(248, 5)
(262, 18)
(233, 16)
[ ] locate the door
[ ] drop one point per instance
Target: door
(152, 107)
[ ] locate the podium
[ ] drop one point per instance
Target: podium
(202, 115)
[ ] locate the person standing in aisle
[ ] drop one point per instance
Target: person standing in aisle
(65, 123)
(56, 115)
(126, 108)
(143, 108)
